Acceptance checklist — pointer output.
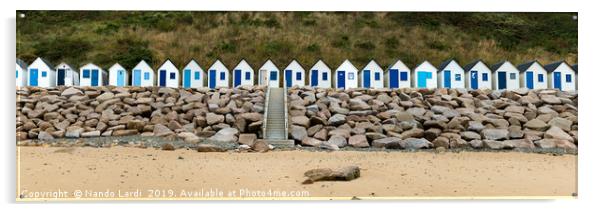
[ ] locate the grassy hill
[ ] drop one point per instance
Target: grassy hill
(105, 37)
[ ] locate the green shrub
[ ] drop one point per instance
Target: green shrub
(128, 52)
(314, 47)
(367, 45)
(62, 48)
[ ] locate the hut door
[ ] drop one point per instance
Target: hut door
(341, 79)
(447, 79)
(94, 77)
(33, 77)
(289, 78)
(237, 77)
(61, 77)
(212, 79)
(120, 78)
(474, 80)
(530, 79)
(162, 77)
(393, 78)
(366, 79)
(187, 78)
(422, 78)
(557, 80)
(501, 80)
(137, 77)
(314, 78)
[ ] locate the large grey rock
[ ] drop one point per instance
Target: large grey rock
(495, 134)
(89, 134)
(213, 118)
(470, 135)
(309, 141)
(416, 143)
(515, 132)
(549, 99)
(71, 91)
(225, 135)
(73, 132)
(358, 104)
(301, 121)
(520, 143)
(43, 135)
(475, 126)
(557, 133)
(358, 141)
(209, 148)
(441, 142)
(247, 139)
(298, 133)
(561, 123)
(162, 130)
(389, 143)
(338, 140)
(328, 146)
(325, 174)
(337, 119)
(496, 145)
(253, 117)
(536, 124)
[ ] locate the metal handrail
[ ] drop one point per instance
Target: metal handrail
(265, 112)
(285, 93)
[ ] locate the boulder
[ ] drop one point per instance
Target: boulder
(561, 123)
(225, 135)
(89, 134)
(300, 120)
(209, 148)
(536, 124)
(515, 132)
(337, 119)
(247, 139)
(557, 133)
(73, 132)
(298, 133)
(309, 141)
(325, 174)
(162, 130)
(260, 146)
(441, 142)
(136, 125)
(358, 141)
(358, 104)
(124, 132)
(213, 118)
(71, 91)
(328, 146)
(338, 140)
(416, 143)
(45, 136)
(252, 117)
(388, 142)
(477, 144)
(168, 147)
(322, 134)
(470, 135)
(496, 145)
(495, 134)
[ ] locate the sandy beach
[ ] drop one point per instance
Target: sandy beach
(122, 173)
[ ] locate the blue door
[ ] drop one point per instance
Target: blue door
(120, 78)
(137, 77)
(212, 79)
(94, 77)
(60, 80)
(187, 78)
(33, 77)
(162, 77)
(341, 79)
(447, 79)
(366, 79)
(501, 80)
(393, 78)
(237, 77)
(288, 76)
(530, 79)
(314, 78)
(557, 80)
(474, 80)
(423, 77)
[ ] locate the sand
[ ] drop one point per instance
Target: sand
(124, 173)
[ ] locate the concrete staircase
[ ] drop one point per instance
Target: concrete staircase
(276, 119)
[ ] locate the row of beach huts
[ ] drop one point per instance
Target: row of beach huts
(449, 74)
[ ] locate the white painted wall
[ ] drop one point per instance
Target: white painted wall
(245, 69)
(170, 70)
(537, 70)
(49, 80)
(482, 70)
(456, 74)
(374, 69)
(195, 70)
(510, 69)
(113, 72)
(351, 78)
(20, 76)
(298, 74)
(401, 67)
(264, 74)
(425, 66)
(87, 81)
(222, 75)
(144, 69)
(324, 75)
(564, 70)
(71, 75)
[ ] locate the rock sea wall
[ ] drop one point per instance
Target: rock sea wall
(190, 114)
(441, 118)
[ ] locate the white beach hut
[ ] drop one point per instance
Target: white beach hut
(20, 74)
(319, 75)
(346, 76)
(66, 75)
(425, 75)
(269, 74)
(168, 75)
(294, 75)
(219, 76)
(533, 75)
(561, 76)
(41, 73)
(450, 75)
(505, 76)
(243, 74)
(92, 75)
(398, 75)
(193, 76)
(118, 76)
(143, 75)
(371, 76)
(478, 75)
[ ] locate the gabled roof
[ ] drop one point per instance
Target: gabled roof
(272, 62)
(469, 66)
(552, 66)
(327, 65)
(21, 64)
(497, 65)
(67, 64)
(574, 67)
(241, 60)
(292, 62)
(445, 63)
(525, 66)
(165, 61)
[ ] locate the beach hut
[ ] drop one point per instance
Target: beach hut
(533, 75)
(561, 76)
(478, 75)
(143, 75)
(243, 74)
(219, 76)
(66, 75)
(398, 75)
(118, 76)
(92, 75)
(319, 75)
(294, 75)
(41, 73)
(425, 75)
(450, 75)
(269, 75)
(505, 76)
(576, 73)
(20, 74)
(346, 76)
(371, 76)
(193, 76)
(168, 75)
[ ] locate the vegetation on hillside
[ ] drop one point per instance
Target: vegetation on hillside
(105, 37)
